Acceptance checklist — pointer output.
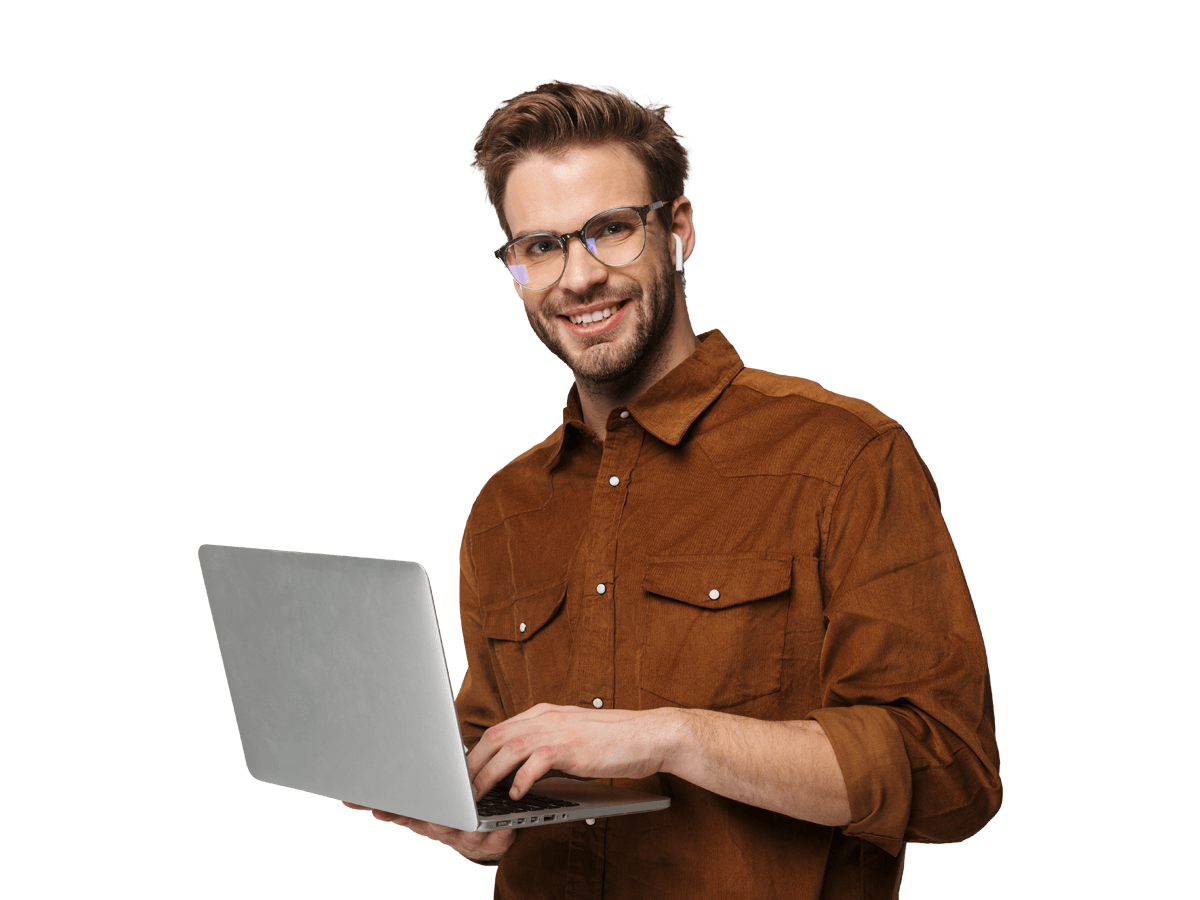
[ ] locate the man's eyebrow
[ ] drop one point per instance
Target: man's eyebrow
(521, 234)
(556, 232)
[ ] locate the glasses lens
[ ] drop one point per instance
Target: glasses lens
(535, 261)
(617, 237)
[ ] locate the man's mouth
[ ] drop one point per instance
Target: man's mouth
(595, 321)
(588, 317)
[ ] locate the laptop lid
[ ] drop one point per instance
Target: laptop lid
(338, 679)
(340, 687)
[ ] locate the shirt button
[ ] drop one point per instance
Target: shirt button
(600, 588)
(614, 481)
(714, 594)
(590, 821)
(624, 414)
(522, 628)
(597, 703)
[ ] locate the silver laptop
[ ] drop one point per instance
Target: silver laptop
(340, 688)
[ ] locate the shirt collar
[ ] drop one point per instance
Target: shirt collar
(670, 406)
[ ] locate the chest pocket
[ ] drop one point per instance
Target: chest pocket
(714, 627)
(531, 645)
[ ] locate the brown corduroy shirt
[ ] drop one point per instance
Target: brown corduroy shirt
(743, 542)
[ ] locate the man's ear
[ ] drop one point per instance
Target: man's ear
(682, 228)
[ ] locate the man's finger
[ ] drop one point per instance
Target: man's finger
(536, 766)
(484, 767)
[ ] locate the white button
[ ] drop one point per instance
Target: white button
(624, 414)
(522, 628)
(597, 703)
(714, 594)
(590, 821)
(614, 481)
(600, 588)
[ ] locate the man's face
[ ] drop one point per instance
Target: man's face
(634, 305)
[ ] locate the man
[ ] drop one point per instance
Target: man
(726, 586)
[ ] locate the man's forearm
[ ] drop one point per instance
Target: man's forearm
(787, 767)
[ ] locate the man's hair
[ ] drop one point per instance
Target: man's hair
(557, 116)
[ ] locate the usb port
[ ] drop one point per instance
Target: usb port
(504, 823)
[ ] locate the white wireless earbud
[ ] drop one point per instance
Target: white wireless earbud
(678, 253)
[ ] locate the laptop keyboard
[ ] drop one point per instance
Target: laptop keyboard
(496, 802)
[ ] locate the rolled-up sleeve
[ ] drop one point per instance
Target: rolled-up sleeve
(906, 697)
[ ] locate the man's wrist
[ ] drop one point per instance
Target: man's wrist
(677, 738)
(482, 857)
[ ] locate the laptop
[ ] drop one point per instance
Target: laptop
(340, 688)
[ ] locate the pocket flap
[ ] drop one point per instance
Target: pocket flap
(525, 616)
(734, 579)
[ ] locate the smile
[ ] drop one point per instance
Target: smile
(588, 318)
(595, 323)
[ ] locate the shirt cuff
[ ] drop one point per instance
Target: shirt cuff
(875, 766)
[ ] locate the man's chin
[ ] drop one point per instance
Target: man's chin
(594, 364)
(601, 363)
(594, 359)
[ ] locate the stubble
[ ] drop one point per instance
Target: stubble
(602, 360)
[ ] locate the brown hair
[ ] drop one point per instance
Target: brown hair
(557, 116)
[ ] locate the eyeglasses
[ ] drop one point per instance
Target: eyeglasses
(616, 237)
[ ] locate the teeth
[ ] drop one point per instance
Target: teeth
(596, 316)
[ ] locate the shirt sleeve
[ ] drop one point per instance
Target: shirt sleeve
(479, 703)
(906, 696)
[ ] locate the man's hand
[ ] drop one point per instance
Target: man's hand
(480, 846)
(590, 743)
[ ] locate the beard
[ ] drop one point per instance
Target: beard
(602, 360)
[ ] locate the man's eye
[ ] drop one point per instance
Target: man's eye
(537, 248)
(614, 229)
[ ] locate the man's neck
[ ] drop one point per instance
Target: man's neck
(597, 401)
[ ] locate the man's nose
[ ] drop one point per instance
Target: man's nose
(582, 270)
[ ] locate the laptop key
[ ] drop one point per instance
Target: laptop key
(496, 803)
